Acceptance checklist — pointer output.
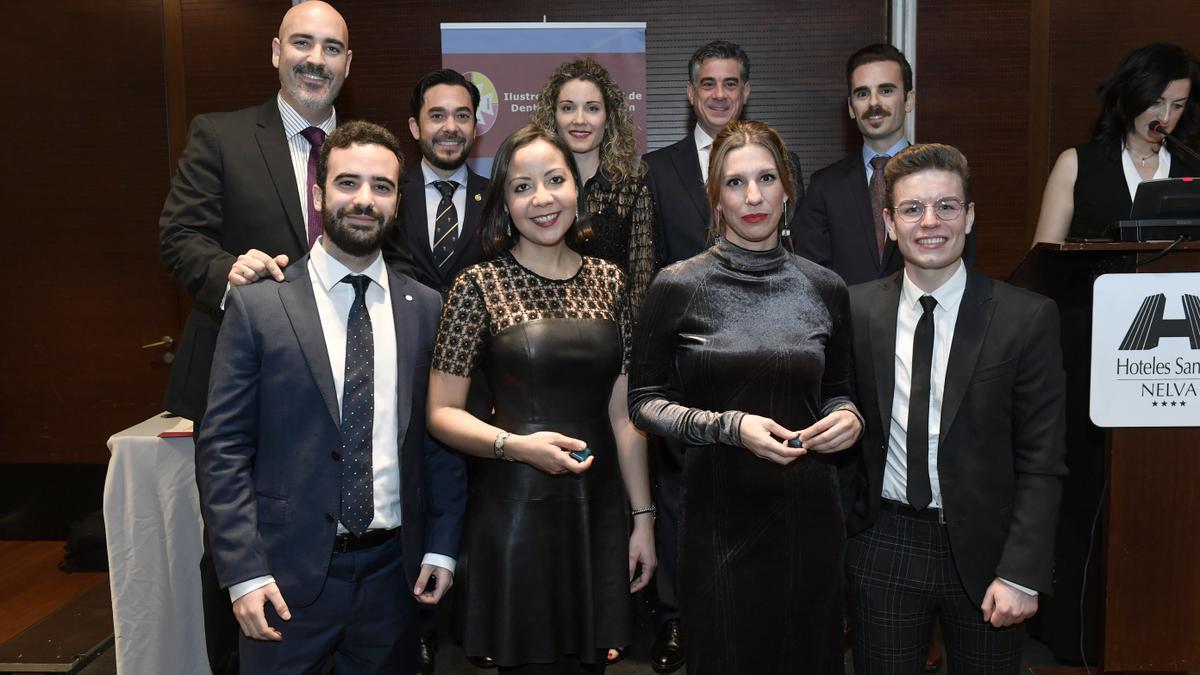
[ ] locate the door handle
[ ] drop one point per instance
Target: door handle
(167, 342)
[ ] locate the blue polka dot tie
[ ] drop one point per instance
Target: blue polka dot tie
(358, 414)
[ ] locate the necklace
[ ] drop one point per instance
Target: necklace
(1143, 160)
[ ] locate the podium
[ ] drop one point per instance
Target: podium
(1138, 577)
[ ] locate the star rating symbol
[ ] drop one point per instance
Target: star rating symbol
(1154, 404)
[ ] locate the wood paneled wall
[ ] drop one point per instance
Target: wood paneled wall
(797, 53)
(1012, 83)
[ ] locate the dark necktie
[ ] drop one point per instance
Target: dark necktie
(445, 225)
(919, 492)
(876, 188)
(358, 414)
(315, 138)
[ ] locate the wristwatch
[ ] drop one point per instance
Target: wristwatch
(498, 446)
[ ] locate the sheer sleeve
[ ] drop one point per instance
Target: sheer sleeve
(653, 391)
(642, 245)
(462, 328)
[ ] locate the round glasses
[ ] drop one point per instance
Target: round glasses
(946, 209)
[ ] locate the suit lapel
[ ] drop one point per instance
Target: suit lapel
(882, 334)
(467, 222)
(418, 223)
(856, 179)
(406, 338)
(301, 306)
(687, 165)
(970, 330)
(274, 147)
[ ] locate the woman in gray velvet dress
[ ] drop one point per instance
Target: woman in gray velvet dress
(743, 354)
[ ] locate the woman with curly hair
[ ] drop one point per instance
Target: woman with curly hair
(586, 109)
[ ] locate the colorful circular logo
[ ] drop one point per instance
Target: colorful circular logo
(489, 102)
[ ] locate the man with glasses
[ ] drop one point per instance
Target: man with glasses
(957, 483)
(840, 223)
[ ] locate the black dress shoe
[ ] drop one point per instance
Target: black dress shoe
(666, 654)
(427, 655)
(482, 661)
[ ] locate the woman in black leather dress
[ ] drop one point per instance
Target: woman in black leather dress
(587, 109)
(547, 547)
(740, 350)
(1092, 185)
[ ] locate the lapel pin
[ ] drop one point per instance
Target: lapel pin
(478, 196)
(408, 297)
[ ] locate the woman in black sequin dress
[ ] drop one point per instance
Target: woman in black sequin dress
(547, 547)
(742, 349)
(587, 109)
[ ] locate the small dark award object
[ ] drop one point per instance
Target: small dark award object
(580, 455)
(795, 442)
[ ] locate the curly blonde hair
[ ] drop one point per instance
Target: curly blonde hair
(619, 147)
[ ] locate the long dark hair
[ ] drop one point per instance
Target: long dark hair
(496, 234)
(1137, 84)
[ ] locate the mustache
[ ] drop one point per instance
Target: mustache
(452, 136)
(878, 110)
(360, 210)
(314, 69)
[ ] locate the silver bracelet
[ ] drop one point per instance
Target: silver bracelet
(652, 510)
(498, 446)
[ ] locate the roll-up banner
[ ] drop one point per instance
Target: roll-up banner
(510, 62)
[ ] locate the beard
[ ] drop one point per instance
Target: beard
(299, 92)
(429, 151)
(354, 242)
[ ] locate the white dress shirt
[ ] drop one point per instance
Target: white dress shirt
(334, 300)
(703, 149)
(1133, 179)
(298, 147)
(945, 316)
(433, 197)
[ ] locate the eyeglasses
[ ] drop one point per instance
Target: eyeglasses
(946, 209)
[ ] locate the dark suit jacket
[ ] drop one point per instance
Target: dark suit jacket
(269, 479)
(410, 244)
(674, 179)
(235, 190)
(1001, 458)
(835, 228)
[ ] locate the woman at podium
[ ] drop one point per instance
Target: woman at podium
(1092, 186)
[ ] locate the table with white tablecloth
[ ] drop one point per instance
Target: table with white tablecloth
(153, 527)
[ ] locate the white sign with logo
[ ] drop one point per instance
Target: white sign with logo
(1146, 350)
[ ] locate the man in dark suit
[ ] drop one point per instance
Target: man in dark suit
(238, 208)
(956, 490)
(840, 223)
(718, 88)
(442, 196)
(442, 200)
(329, 507)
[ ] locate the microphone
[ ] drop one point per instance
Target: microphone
(1158, 128)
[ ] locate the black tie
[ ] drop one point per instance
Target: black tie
(358, 414)
(445, 225)
(919, 492)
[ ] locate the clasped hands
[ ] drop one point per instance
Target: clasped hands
(768, 439)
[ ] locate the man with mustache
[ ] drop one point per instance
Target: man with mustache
(840, 223)
(330, 509)
(239, 210)
(442, 196)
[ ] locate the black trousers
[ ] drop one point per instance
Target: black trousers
(365, 619)
(902, 577)
(668, 483)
